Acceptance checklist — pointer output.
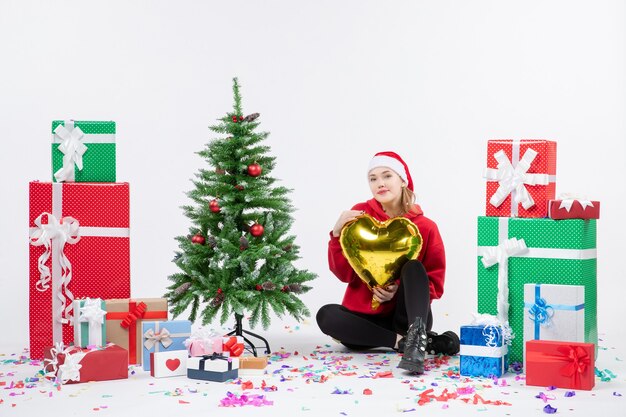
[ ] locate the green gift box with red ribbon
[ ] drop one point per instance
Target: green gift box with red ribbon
(83, 151)
(124, 318)
(513, 252)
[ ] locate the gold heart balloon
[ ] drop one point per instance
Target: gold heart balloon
(378, 250)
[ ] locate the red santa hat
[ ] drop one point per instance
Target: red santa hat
(395, 162)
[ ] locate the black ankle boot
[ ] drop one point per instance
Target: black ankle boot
(414, 348)
(446, 343)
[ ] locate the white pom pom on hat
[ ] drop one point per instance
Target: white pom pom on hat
(394, 161)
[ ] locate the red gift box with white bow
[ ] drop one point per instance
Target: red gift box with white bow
(72, 364)
(573, 208)
(567, 365)
(521, 177)
(79, 247)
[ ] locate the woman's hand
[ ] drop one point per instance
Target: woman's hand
(345, 217)
(384, 294)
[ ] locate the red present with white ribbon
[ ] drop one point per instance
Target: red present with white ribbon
(521, 177)
(70, 365)
(569, 206)
(79, 248)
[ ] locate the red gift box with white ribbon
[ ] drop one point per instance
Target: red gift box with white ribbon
(573, 207)
(521, 177)
(72, 364)
(567, 365)
(79, 247)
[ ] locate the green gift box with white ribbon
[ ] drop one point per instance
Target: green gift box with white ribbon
(89, 322)
(513, 252)
(83, 151)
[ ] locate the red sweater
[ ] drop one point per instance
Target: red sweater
(358, 297)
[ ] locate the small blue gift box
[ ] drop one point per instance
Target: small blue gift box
(215, 367)
(483, 351)
(162, 336)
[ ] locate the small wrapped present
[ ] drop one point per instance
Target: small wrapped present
(571, 207)
(252, 365)
(204, 342)
(168, 363)
(89, 322)
(554, 312)
(216, 367)
(74, 364)
(521, 177)
(83, 151)
(568, 365)
(159, 336)
(79, 233)
(483, 352)
(124, 318)
(233, 345)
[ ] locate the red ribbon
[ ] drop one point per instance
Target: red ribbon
(136, 311)
(233, 347)
(134, 315)
(575, 361)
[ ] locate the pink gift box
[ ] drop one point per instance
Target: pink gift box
(201, 347)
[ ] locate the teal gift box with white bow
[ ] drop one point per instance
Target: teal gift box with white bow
(554, 312)
(163, 336)
(89, 322)
(83, 151)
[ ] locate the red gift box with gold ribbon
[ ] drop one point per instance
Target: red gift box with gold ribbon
(521, 177)
(79, 248)
(124, 318)
(560, 364)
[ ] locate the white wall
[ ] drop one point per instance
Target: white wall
(334, 82)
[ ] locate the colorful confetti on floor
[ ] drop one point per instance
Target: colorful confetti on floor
(305, 377)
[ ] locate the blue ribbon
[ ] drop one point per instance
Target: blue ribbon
(541, 312)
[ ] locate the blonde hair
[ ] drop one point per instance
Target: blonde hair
(407, 201)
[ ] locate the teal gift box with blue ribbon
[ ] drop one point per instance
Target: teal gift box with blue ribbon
(554, 312)
(162, 336)
(484, 352)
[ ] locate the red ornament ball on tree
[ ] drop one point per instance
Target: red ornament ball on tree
(214, 206)
(239, 187)
(259, 287)
(256, 230)
(254, 170)
(198, 239)
(235, 119)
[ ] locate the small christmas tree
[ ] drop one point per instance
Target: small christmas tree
(238, 255)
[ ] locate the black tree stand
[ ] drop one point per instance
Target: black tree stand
(239, 331)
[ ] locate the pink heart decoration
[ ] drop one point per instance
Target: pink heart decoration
(172, 364)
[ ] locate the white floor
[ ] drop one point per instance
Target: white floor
(312, 376)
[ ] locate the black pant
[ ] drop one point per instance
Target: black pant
(364, 331)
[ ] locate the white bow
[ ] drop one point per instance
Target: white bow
(153, 338)
(567, 200)
(70, 369)
(73, 149)
(92, 312)
(500, 255)
(514, 179)
(64, 231)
